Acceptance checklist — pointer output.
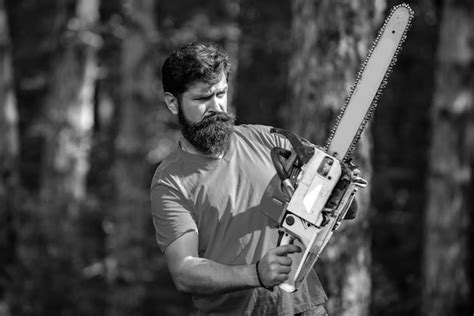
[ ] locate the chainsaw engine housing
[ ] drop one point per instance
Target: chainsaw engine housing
(317, 179)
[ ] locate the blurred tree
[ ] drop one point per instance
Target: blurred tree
(69, 109)
(330, 40)
(264, 50)
(401, 130)
(446, 288)
(128, 221)
(67, 124)
(9, 154)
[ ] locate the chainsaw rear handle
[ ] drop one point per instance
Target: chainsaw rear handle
(303, 148)
(277, 153)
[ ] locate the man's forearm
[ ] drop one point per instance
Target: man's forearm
(202, 276)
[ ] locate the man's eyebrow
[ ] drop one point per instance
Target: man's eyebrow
(206, 93)
(202, 92)
(201, 95)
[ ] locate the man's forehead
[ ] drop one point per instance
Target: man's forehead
(201, 86)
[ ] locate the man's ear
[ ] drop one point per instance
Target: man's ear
(171, 102)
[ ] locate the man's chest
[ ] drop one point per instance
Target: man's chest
(232, 188)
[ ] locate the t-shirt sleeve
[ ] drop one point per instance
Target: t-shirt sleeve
(271, 139)
(172, 218)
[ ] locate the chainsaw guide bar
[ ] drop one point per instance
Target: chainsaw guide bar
(370, 81)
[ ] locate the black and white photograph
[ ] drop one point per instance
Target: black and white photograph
(236, 157)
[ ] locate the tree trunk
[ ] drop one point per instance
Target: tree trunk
(263, 66)
(446, 287)
(130, 234)
(9, 151)
(330, 40)
(401, 131)
(68, 120)
(69, 111)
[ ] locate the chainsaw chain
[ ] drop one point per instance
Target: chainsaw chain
(380, 89)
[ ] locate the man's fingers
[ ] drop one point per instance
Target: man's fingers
(276, 264)
(284, 260)
(286, 249)
(283, 277)
(284, 270)
(280, 275)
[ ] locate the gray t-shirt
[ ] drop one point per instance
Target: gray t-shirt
(229, 203)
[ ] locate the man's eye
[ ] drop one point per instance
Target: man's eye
(203, 98)
(221, 94)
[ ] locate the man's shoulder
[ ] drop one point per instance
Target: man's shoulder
(168, 166)
(253, 130)
(260, 134)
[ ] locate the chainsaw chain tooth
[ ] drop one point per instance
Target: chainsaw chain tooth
(381, 87)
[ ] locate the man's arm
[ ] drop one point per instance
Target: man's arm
(195, 275)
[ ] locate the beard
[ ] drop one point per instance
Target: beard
(211, 135)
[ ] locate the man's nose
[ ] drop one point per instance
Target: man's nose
(215, 104)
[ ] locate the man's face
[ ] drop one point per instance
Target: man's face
(202, 112)
(202, 99)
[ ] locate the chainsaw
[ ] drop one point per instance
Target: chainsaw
(320, 183)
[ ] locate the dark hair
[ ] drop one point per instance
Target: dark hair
(194, 62)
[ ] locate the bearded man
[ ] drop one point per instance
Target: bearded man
(212, 199)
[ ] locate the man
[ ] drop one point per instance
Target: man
(212, 199)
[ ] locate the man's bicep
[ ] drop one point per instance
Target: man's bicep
(184, 247)
(180, 256)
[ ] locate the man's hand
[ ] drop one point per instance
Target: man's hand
(348, 173)
(274, 267)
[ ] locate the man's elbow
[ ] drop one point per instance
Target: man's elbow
(182, 285)
(184, 281)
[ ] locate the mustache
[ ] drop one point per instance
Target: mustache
(218, 117)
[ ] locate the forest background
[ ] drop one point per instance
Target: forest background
(83, 127)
